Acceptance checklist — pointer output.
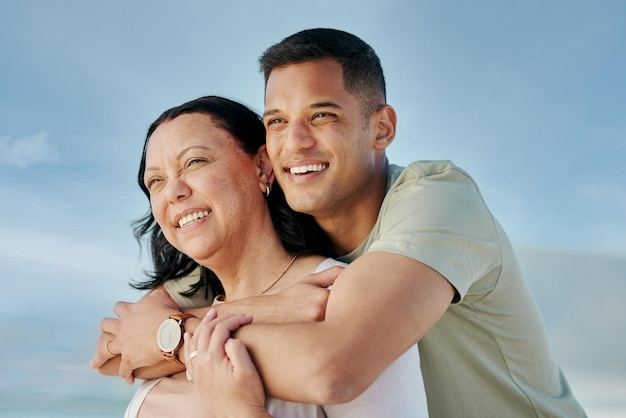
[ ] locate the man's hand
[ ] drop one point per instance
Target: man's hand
(134, 333)
(303, 301)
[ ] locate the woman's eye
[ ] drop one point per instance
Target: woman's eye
(195, 161)
(152, 182)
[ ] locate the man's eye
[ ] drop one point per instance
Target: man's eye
(324, 116)
(273, 121)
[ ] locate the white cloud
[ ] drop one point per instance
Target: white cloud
(27, 151)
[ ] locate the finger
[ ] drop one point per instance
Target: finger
(188, 360)
(101, 356)
(109, 325)
(111, 367)
(126, 372)
(110, 347)
(202, 335)
(192, 343)
(324, 278)
(121, 307)
(238, 355)
(200, 339)
(188, 347)
(222, 332)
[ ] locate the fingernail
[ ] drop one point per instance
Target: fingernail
(188, 375)
(211, 312)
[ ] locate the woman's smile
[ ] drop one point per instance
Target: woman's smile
(187, 219)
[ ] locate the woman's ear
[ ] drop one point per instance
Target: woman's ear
(385, 127)
(265, 171)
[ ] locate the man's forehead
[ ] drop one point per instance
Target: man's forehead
(314, 84)
(326, 68)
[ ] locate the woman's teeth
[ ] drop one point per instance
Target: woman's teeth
(187, 219)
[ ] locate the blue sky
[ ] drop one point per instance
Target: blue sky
(526, 96)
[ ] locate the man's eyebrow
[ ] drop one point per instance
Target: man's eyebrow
(325, 104)
(318, 105)
(270, 112)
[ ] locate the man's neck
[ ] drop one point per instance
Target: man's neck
(347, 227)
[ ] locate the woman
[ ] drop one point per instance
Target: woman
(209, 182)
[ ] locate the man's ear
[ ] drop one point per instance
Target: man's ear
(265, 171)
(385, 127)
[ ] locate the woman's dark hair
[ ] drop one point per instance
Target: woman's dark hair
(362, 73)
(299, 233)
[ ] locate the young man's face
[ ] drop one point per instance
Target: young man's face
(321, 148)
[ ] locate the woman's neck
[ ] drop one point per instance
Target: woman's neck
(255, 268)
(269, 275)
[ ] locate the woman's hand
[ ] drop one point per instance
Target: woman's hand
(133, 334)
(222, 369)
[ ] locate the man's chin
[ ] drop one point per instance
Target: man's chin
(304, 204)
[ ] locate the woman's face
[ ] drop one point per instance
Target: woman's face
(203, 186)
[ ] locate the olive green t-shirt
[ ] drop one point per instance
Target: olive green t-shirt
(489, 355)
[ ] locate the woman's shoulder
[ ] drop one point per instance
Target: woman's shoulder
(328, 263)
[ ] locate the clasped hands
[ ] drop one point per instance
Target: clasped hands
(131, 337)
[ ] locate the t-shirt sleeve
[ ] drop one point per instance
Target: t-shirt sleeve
(439, 218)
(184, 284)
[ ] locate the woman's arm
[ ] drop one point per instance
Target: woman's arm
(131, 335)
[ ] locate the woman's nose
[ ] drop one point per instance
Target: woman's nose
(176, 189)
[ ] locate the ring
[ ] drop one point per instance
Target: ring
(192, 355)
(106, 348)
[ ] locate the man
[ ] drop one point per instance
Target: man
(428, 262)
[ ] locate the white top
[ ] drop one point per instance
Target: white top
(398, 392)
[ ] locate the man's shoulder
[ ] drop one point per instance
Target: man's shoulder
(422, 169)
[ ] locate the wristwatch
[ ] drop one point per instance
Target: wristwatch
(170, 336)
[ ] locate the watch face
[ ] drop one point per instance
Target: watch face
(169, 335)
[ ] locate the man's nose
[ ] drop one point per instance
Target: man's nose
(299, 137)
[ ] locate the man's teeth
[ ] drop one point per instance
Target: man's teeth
(307, 168)
(185, 220)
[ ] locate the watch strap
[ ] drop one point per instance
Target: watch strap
(180, 317)
(173, 355)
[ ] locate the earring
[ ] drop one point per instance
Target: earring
(268, 189)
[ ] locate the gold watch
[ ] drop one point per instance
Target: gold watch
(170, 336)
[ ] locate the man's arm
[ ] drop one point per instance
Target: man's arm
(380, 306)
(133, 333)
